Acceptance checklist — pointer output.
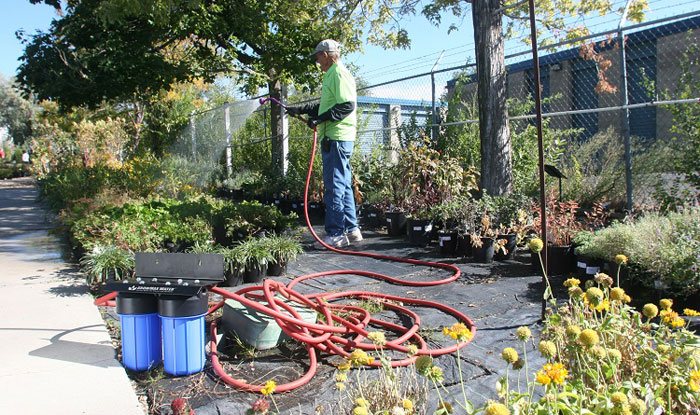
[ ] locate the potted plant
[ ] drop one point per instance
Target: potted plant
(485, 242)
(253, 257)
(562, 225)
(105, 263)
(283, 249)
(447, 216)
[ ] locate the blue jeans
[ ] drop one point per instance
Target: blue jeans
(337, 183)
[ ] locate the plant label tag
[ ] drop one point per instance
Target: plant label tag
(372, 215)
(580, 264)
(592, 270)
(429, 227)
(388, 220)
(417, 228)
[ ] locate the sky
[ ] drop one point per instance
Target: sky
(375, 65)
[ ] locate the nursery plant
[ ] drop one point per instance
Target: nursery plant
(104, 262)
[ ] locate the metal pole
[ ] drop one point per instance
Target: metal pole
(540, 145)
(227, 124)
(433, 130)
(625, 113)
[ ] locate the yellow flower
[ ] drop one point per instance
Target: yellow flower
(458, 331)
(694, 381)
(536, 245)
(690, 312)
(523, 333)
(552, 373)
(360, 410)
(666, 304)
(617, 294)
(588, 338)
(340, 386)
(495, 408)
(638, 406)
(407, 404)
(618, 398)
(361, 402)
(650, 311)
(269, 388)
(627, 299)
(572, 282)
(620, 259)
(341, 377)
(542, 378)
(599, 352)
(603, 306)
(671, 318)
(435, 373)
(360, 357)
(663, 348)
(510, 355)
(594, 295)
(377, 338)
(548, 349)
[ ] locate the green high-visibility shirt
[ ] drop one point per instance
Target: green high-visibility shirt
(338, 87)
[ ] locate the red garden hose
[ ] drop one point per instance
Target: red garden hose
(338, 334)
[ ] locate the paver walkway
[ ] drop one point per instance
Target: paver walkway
(57, 356)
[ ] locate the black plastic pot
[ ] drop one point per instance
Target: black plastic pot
(464, 246)
(372, 217)
(511, 246)
(419, 231)
(560, 259)
(395, 223)
(254, 273)
(447, 242)
(316, 210)
(484, 253)
(275, 269)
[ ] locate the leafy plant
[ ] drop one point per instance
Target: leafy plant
(283, 248)
(251, 254)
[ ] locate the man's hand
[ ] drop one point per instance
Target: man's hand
(312, 122)
(294, 111)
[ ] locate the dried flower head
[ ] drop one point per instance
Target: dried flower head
(573, 331)
(594, 295)
(523, 333)
(650, 311)
(548, 349)
(575, 292)
(617, 294)
(397, 410)
(377, 337)
(518, 364)
(510, 355)
(536, 245)
(599, 352)
(572, 282)
(412, 350)
(618, 398)
(588, 338)
(603, 279)
(614, 355)
(423, 364)
(261, 406)
(666, 304)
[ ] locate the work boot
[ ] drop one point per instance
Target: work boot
(354, 236)
(339, 241)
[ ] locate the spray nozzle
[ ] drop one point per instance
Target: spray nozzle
(275, 100)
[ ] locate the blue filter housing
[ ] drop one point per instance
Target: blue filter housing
(140, 331)
(183, 332)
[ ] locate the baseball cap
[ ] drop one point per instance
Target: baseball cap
(327, 45)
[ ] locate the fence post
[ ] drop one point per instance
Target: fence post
(394, 112)
(227, 125)
(434, 118)
(193, 136)
(625, 114)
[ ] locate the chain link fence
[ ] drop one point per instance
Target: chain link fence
(615, 104)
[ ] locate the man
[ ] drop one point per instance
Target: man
(335, 120)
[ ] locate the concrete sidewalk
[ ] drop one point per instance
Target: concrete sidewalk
(57, 356)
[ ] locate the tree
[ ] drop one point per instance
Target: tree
(16, 113)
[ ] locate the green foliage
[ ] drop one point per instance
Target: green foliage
(284, 248)
(659, 247)
(462, 140)
(250, 218)
(16, 113)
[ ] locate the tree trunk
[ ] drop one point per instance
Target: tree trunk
(279, 129)
(494, 133)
